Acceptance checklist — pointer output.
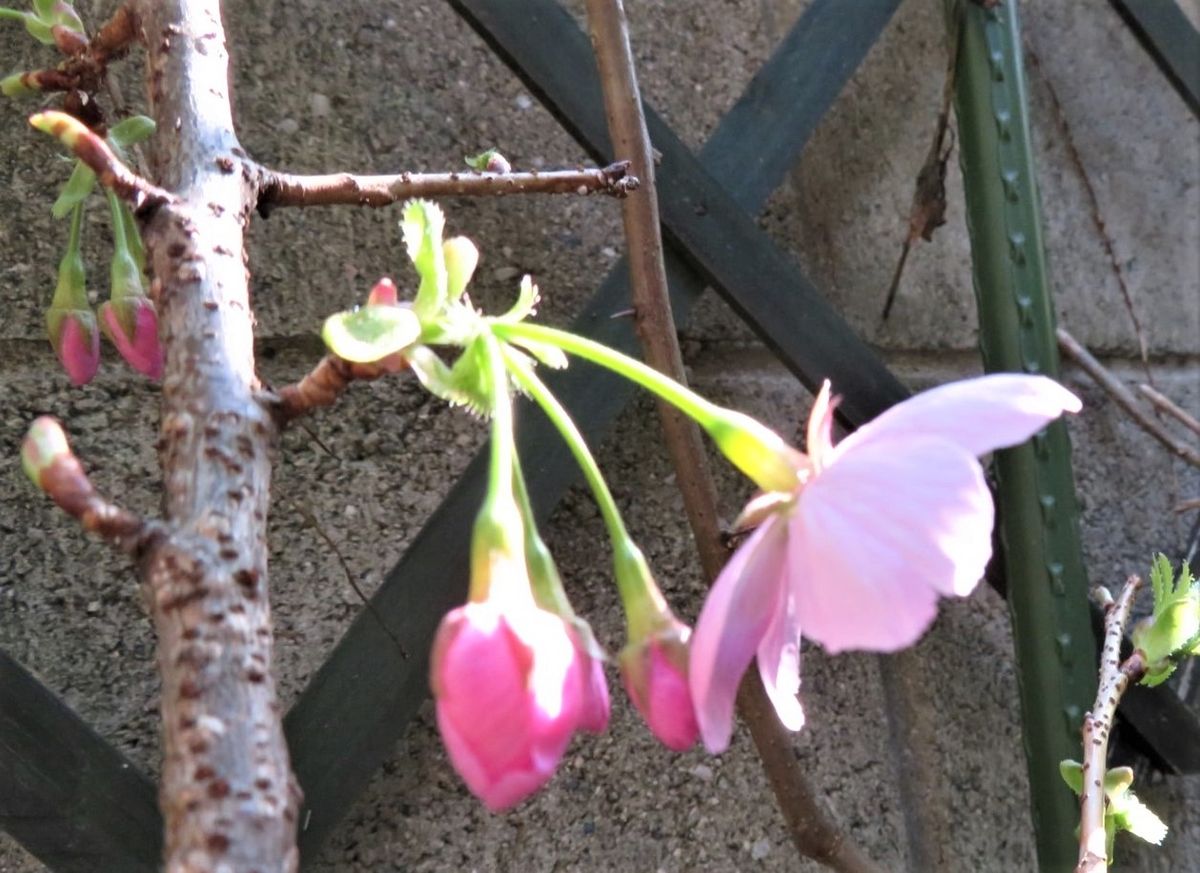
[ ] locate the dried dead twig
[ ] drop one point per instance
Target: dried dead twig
(1169, 406)
(812, 831)
(1072, 348)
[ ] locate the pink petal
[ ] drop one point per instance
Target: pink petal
(79, 348)
(779, 664)
(880, 533)
(142, 350)
(735, 618)
(981, 415)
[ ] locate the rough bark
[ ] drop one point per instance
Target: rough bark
(228, 796)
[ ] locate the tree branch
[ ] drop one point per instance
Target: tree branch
(1097, 725)
(1124, 397)
(326, 383)
(229, 799)
(84, 69)
(110, 172)
(55, 469)
(284, 189)
(811, 831)
(1169, 406)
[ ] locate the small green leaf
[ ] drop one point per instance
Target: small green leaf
(135, 129)
(1072, 774)
(371, 333)
(44, 9)
(422, 225)
(78, 188)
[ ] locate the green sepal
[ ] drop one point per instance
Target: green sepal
(131, 131)
(422, 226)
(1130, 814)
(369, 334)
(462, 384)
(77, 189)
(461, 257)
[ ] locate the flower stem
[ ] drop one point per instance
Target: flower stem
(635, 583)
(687, 401)
(561, 419)
(500, 474)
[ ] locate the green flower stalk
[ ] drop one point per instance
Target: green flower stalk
(756, 450)
(70, 321)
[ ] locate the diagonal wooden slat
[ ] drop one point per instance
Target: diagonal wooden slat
(348, 719)
(1172, 41)
(66, 794)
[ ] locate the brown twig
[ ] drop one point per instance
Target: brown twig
(1169, 406)
(85, 67)
(327, 381)
(285, 189)
(812, 832)
(61, 476)
(1124, 397)
(110, 171)
(928, 210)
(1089, 190)
(1115, 677)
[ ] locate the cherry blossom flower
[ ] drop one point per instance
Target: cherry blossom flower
(876, 530)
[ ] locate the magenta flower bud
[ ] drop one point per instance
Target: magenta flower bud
(655, 672)
(509, 687)
(131, 324)
(76, 341)
(384, 293)
(594, 704)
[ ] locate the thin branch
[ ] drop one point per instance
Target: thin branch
(58, 472)
(1115, 677)
(928, 210)
(1094, 205)
(1124, 397)
(327, 381)
(1169, 406)
(85, 68)
(285, 189)
(812, 832)
(110, 171)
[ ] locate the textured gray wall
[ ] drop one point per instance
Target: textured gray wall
(384, 86)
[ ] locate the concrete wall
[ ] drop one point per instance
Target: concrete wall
(387, 85)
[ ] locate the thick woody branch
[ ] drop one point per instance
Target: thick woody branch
(1115, 677)
(284, 189)
(326, 383)
(229, 799)
(111, 173)
(811, 830)
(1124, 397)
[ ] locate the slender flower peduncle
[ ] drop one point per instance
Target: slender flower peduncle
(71, 292)
(561, 419)
(497, 542)
(548, 589)
(753, 448)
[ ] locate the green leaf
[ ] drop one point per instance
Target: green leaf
(422, 225)
(484, 160)
(135, 129)
(1072, 774)
(371, 333)
(78, 188)
(44, 9)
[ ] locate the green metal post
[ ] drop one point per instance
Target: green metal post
(1047, 584)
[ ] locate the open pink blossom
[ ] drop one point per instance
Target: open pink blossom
(510, 691)
(880, 526)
